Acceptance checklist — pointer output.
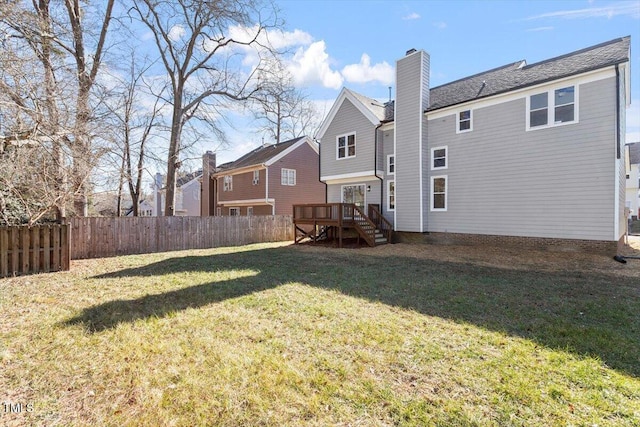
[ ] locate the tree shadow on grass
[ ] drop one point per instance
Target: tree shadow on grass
(585, 313)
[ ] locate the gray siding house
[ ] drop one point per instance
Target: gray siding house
(523, 153)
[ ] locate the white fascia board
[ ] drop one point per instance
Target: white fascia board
(247, 202)
(279, 156)
(239, 170)
(360, 175)
(580, 79)
(345, 94)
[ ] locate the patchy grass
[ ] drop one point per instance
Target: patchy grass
(275, 335)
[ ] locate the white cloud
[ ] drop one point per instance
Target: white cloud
(176, 33)
(283, 39)
(277, 38)
(440, 25)
(629, 8)
(365, 73)
(410, 17)
(312, 66)
(537, 29)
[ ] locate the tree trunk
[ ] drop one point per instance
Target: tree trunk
(173, 157)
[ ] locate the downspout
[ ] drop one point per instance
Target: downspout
(266, 186)
(326, 186)
(616, 224)
(618, 112)
(375, 165)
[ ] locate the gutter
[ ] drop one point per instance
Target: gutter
(266, 194)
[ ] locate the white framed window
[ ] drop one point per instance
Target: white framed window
(287, 176)
(234, 211)
(228, 183)
(552, 108)
(346, 146)
(391, 195)
(391, 164)
(439, 193)
(465, 121)
(250, 211)
(439, 158)
(256, 177)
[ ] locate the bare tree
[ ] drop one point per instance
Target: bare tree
(201, 58)
(133, 127)
(86, 77)
(44, 31)
(283, 110)
(31, 128)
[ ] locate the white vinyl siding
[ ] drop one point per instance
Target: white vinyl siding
(348, 119)
(506, 181)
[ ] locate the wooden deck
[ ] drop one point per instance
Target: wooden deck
(330, 220)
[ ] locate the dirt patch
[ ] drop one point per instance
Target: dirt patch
(507, 258)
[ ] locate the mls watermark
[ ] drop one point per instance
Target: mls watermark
(15, 408)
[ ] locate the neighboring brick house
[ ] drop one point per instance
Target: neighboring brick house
(520, 153)
(267, 181)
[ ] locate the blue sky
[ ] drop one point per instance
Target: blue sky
(356, 43)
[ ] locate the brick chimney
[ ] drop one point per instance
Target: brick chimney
(207, 199)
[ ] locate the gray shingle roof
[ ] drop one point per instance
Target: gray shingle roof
(182, 180)
(258, 156)
(634, 153)
(517, 75)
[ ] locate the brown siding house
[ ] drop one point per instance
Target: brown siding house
(266, 181)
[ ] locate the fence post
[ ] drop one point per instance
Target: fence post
(66, 245)
(4, 252)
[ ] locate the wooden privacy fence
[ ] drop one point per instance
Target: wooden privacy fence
(36, 249)
(104, 237)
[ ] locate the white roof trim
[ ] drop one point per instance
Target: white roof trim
(345, 94)
(247, 202)
(279, 156)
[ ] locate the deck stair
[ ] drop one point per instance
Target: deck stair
(319, 221)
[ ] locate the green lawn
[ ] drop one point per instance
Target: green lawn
(273, 335)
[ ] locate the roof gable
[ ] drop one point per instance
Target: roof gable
(187, 178)
(266, 154)
(370, 108)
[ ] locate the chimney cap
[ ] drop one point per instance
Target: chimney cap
(410, 51)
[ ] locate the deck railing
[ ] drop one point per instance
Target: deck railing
(381, 222)
(341, 215)
(336, 213)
